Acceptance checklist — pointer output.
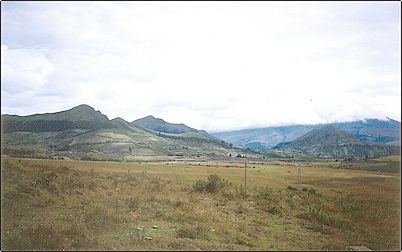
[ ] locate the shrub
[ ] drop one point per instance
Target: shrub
(199, 186)
(213, 185)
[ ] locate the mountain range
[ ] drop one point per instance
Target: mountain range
(82, 131)
(372, 130)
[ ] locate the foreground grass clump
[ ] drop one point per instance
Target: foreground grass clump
(81, 205)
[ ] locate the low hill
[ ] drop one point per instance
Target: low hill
(373, 130)
(330, 141)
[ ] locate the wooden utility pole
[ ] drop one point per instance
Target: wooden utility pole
(245, 178)
(298, 174)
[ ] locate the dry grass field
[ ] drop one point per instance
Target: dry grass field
(63, 205)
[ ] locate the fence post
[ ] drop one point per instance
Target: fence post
(245, 178)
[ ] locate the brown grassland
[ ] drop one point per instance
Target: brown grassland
(65, 204)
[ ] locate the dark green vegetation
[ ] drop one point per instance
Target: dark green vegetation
(214, 184)
(159, 125)
(64, 205)
(374, 130)
(330, 141)
(82, 132)
(80, 117)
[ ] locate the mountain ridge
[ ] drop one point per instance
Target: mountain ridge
(330, 141)
(81, 112)
(374, 130)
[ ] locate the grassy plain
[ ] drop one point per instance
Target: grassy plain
(67, 204)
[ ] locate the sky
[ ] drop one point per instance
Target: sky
(215, 66)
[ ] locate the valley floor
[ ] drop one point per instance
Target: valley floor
(67, 204)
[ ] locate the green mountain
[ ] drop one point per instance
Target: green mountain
(80, 117)
(79, 113)
(330, 141)
(82, 131)
(373, 130)
(159, 125)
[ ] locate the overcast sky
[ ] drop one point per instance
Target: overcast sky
(211, 65)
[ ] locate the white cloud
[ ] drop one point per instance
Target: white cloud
(23, 69)
(213, 66)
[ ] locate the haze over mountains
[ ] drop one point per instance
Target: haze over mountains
(373, 130)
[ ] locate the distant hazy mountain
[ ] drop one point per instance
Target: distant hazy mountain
(263, 138)
(330, 141)
(82, 130)
(374, 130)
(159, 125)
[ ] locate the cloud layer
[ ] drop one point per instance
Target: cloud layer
(214, 66)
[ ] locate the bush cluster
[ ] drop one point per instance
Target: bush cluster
(213, 185)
